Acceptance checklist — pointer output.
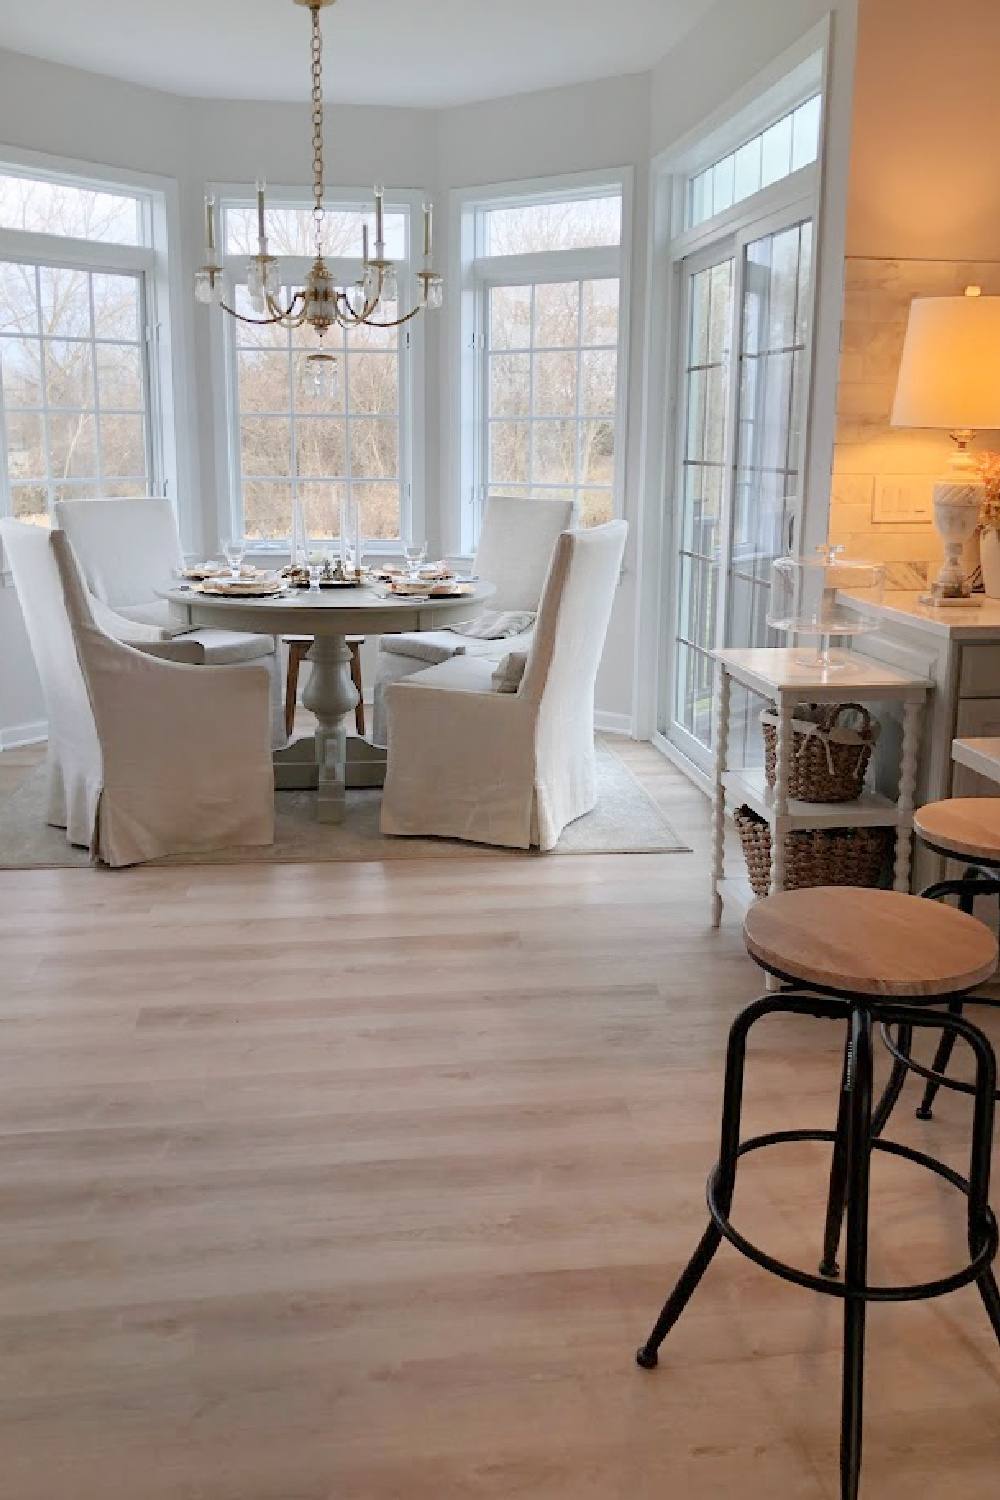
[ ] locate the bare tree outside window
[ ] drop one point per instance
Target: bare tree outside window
(293, 445)
(550, 369)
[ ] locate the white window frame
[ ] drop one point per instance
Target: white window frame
(800, 72)
(412, 356)
(468, 418)
(166, 329)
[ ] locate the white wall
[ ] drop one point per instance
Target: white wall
(612, 123)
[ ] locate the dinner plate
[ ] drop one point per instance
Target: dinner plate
(248, 590)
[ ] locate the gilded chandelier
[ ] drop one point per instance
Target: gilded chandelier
(321, 303)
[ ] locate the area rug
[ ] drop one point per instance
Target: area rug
(625, 821)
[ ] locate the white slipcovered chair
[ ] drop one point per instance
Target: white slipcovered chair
(471, 759)
(128, 551)
(146, 756)
(515, 547)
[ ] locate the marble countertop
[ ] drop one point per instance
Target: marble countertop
(960, 623)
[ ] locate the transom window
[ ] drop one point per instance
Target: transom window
(772, 154)
(74, 367)
(542, 395)
(287, 444)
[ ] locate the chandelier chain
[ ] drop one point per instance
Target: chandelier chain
(317, 123)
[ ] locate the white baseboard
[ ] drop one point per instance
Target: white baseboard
(16, 735)
(683, 763)
(614, 724)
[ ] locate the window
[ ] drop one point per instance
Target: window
(74, 367)
(784, 147)
(542, 394)
(285, 443)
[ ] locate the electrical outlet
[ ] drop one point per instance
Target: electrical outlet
(902, 498)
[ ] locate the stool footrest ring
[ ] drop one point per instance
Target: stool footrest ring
(912, 1293)
(944, 1080)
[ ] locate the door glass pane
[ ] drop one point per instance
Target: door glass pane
(774, 326)
(705, 383)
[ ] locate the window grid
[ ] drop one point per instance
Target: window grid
(593, 497)
(34, 495)
(788, 145)
(703, 470)
(380, 494)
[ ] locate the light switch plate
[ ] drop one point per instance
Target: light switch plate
(902, 499)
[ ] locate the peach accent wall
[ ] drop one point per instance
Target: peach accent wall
(923, 219)
(925, 158)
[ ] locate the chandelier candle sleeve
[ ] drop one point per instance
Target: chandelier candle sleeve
(210, 229)
(428, 227)
(261, 230)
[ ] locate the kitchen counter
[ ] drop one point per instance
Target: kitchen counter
(955, 622)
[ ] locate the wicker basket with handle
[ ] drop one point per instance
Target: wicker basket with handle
(815, 856)
(828, 760)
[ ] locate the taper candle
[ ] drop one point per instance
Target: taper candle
(428, 222)
(210, 227)
(261, 232)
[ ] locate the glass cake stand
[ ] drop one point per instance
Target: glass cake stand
(821, 597)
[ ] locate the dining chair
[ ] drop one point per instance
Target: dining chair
(146, 756)
(129, 553)
(515, 548)
(505, 755)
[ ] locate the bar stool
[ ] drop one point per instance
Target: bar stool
(855, 956)
(968, 829)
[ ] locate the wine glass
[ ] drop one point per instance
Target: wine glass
(235, 550)
(415, 553)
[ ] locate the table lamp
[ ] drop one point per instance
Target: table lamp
(949, 377)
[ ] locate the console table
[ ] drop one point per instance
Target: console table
(787, 676)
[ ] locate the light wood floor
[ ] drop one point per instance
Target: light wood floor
(362, 1182)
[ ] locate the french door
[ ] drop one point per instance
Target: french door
(742, 378)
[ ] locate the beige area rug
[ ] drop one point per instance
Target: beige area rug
(625, 821)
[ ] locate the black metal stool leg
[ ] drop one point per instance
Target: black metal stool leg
(859, 1146)
(837, 1195)
(946, 1043)
(979, 1166)
(942, 1057)
(696, 1267)
(894, 1085)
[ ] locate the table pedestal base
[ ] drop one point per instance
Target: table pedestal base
(330, 761)
(296, 768)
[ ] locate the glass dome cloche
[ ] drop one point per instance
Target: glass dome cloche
(820, 596)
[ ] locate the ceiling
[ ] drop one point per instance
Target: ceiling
(408, 52)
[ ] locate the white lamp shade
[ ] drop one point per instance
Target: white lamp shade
(949, 375)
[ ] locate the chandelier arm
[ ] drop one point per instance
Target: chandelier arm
(288, 313)
(255, 322)
(396, 322)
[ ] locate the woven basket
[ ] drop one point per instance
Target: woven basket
(814, 856)
(828, 763)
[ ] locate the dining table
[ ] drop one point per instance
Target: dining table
(331, 760)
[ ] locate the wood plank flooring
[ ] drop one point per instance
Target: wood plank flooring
(363, 1182)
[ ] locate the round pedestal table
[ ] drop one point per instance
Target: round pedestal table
(331, 761)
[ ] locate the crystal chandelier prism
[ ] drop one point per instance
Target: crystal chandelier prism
(321, 303)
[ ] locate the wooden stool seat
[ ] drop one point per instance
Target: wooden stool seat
(869, 942)
(968, 827)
